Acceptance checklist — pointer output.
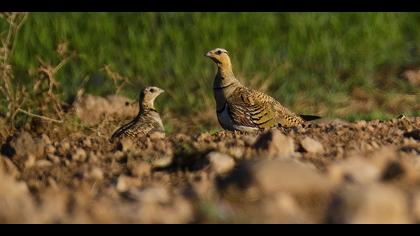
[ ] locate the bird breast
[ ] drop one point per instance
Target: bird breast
(156, 118)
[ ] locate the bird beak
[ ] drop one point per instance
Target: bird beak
(162, 91)
(207, 54)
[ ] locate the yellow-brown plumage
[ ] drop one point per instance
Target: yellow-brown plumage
(148, 119)
(253, 108)
(241, 108)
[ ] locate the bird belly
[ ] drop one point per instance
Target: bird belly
(224, 118)
(245, 128)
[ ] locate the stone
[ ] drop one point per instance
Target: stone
(46, 139)
(369, 204)
(125, 183)
(289, 176)
(43, 163)
(151, 195)
(139, 168)
(416, 206)
(162, 162)
(87, 142)
(53, 158)
(64, 147)
(122, 185)
(281, 208)
(97, 173)
(49, 149)
(311, 145)
(7, 167)
(275, 144)
(25, 145)
(354, 169)
(157, 135)
(221, 163)
(16, 203)
(79, 155)
(30, 161)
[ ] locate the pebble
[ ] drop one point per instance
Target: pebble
(221, 163)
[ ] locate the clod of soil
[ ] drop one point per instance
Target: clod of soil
(328, 172)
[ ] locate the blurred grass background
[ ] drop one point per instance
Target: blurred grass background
(345, 65)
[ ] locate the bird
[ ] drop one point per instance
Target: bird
(243, 109)
(147, 120)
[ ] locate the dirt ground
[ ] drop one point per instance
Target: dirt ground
(331, 171)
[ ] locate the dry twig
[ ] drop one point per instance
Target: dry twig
(11, 94)
(39, 116)
(118, 80)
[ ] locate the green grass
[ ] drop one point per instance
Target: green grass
(315, 57)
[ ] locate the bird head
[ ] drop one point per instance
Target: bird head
(219, 56)
(148, 96)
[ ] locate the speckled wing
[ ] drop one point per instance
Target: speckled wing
(251, 109)
(120, 132)
(138, 127)
(255, 109)
(285, 117)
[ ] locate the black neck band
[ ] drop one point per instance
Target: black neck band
(223, 87)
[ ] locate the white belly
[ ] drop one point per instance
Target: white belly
(245, 128)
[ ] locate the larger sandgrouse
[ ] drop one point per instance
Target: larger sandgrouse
(244, 109)
(148, 119)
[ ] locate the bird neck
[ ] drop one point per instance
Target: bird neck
(224, 85)
(225, 77)
(146, 106)
(224, 69)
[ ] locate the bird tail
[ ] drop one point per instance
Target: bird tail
(310, 117)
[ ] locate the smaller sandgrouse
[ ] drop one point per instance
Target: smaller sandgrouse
(244, 109)
(147, 120)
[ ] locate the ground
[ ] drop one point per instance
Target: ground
(330, 171)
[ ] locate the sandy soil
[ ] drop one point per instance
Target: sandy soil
(331, 171)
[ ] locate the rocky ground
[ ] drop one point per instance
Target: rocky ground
(331, 171)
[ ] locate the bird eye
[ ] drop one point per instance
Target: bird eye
(219, 52)
(152, 90)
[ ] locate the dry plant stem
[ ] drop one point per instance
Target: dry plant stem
(11, 36)
(24, 99)
(17, 29)
(15, 21)
(51, 71)
(39, 116)
(101, 126)
(116, 77)
(8, 92)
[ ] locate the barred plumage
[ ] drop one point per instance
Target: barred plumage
(148, 119)
(241, 108)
